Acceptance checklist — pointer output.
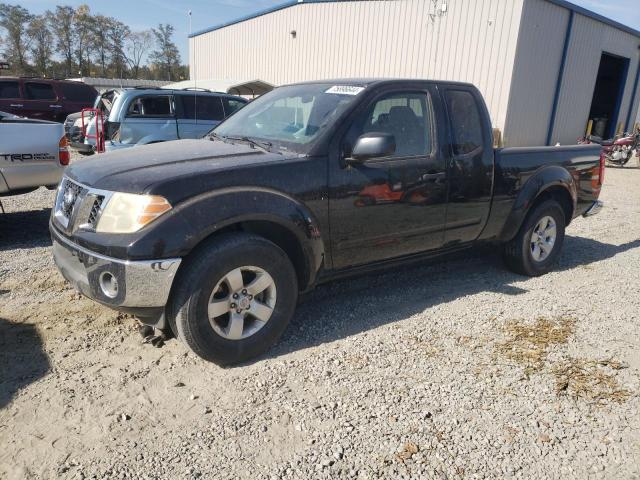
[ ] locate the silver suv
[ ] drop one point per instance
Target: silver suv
(139, 116)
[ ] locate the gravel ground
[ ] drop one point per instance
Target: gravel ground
(454, 370)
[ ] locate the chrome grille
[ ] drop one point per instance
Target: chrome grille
(79, 206)
(69, 195)
(95, 211)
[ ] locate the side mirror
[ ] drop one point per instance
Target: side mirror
(372, 145)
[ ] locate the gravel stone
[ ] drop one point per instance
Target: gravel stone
(397, 375)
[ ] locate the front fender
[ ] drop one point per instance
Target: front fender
(191, 222)
(539, 182)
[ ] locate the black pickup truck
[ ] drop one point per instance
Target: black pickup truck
(214, 239)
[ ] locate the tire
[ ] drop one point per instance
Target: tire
(207, 275)
(520, 253)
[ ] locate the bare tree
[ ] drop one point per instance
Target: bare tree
(117, 34)
(137, 46)
(14, 19)
(84, 26)
(41, 44)
(62, 26)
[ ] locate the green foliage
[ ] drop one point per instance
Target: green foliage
(71, 42)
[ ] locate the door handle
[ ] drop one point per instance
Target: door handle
(430, 177)
(17, 105)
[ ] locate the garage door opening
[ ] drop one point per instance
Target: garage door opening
(607, 96)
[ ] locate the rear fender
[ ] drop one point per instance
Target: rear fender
(544, 180)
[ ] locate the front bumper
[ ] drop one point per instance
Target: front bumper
(134, 285)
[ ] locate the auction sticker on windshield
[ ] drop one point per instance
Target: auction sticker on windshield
(345, 90)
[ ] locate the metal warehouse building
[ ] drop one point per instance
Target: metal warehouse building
(545, 67)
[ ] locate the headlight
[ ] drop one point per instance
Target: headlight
(128, 213)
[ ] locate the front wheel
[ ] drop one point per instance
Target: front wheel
(234, 298)
(536, 248)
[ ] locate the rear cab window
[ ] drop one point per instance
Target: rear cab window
(151, 106)
(466, 122)
(9, 89)
(201, 107)
(39, 91)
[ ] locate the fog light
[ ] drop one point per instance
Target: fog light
(109, 284)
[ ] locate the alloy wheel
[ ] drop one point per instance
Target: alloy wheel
(242, 302)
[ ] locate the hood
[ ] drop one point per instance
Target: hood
(137, 169)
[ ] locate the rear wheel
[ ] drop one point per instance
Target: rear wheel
(536, 248)
(233, 299)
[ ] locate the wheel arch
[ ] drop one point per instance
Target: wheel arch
(552, 182)
(277, 232)
(271, 214)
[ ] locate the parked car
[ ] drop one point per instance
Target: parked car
(33, 153)
(139, 116)
(215, 239)
(43, 98)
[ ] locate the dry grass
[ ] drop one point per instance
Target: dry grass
(528, 344)
(590, 380)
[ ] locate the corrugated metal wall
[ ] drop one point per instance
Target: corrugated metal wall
(475, 41)
(535, 73)
(538, 59)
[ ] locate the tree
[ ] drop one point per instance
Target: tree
(98, 26)
(62, 26)
(14, 19)
(117, 34)
(84, 26)
(41, 44)
(137, 46)
(166, 56)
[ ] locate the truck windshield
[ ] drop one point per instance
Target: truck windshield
(290, 117)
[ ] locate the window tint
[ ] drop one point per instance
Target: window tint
(466, 122)
(406, 116)
(9, 90)
(151, 106)
(232, 104)
(78, 93)
(39, 91)
(201, 107)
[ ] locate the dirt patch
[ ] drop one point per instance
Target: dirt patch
(528, 344)
(591, 380)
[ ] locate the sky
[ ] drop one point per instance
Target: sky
(144, 14)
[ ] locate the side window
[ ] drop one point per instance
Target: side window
(201, 107)
(39, 91)
(466, 122)
(232, 105)
(407, 116)
(78, 93)
(150, 106)
(9, 90)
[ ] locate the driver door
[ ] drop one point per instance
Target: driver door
(392, 206)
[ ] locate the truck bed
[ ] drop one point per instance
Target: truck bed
(29, 154)
(520, 171)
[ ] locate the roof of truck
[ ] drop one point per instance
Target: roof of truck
(365, 82)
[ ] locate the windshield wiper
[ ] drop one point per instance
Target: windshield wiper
(213, 135)
(263, 145)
